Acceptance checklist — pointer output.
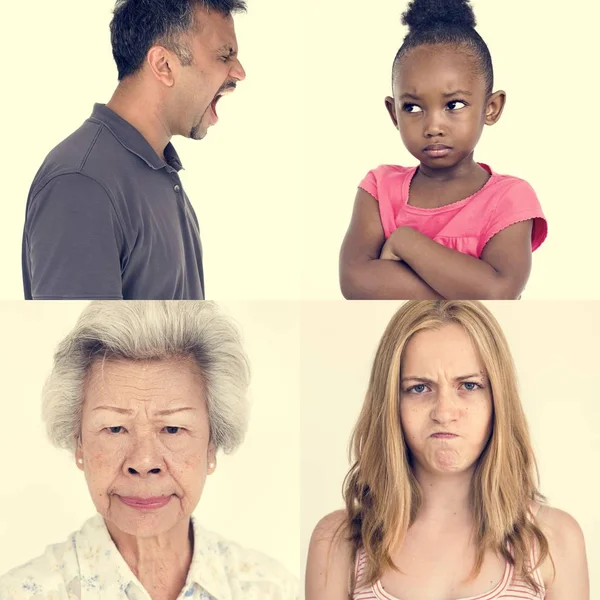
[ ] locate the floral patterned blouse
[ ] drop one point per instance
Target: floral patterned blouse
(88, 566)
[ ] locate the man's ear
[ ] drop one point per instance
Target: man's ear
(161, 63)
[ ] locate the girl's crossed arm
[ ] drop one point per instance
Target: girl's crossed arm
(501, 272)
(363, 274)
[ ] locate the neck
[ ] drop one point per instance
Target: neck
(142, 109)
(161, 563)
(463, 170)
(445, 497)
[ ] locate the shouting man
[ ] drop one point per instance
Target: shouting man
(107, 216)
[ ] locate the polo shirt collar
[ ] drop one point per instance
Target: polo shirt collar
(131, 139)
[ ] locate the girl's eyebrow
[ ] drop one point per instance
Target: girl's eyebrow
(408, 96)
(457, 93)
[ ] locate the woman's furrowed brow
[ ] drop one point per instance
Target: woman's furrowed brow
(124, 411)
(170, 411)
(427, 380)
(160, 413)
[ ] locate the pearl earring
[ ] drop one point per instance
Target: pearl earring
(211, 465)
(80, 461)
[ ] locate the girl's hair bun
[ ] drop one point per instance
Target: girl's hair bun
(427, 13)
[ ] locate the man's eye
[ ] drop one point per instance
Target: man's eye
(411, 108)
(454, 105)
(116, 429)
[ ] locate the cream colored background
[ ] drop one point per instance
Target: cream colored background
(555, 348)
(274, 182)
(252, 498)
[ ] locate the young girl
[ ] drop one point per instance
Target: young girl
(450, 227)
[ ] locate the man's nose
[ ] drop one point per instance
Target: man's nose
(237, 71)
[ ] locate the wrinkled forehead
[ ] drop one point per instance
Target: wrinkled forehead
(155, 383)
(431, 68)
(448, 349)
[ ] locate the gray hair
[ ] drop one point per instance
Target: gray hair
(149, 330)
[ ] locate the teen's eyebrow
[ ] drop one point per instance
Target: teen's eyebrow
(426, 380)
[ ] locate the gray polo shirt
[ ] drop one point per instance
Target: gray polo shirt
(108, 218)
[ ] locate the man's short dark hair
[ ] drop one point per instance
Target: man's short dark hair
(137, 25)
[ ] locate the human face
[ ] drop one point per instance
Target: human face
(145, 443)
(440, 104)
(215, 72)
(445, 401)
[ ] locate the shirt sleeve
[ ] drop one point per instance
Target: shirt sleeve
(518, 203)
(74, 241)
(369, 184)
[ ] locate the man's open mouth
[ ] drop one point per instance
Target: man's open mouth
(213, 104)
(218, 96)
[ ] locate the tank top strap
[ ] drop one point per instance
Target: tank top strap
(359, 565)
(534, 555)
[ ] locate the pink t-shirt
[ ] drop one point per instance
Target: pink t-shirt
(466, 225)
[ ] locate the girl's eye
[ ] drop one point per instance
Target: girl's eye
(454, 104)
(471, 386)
(116, 429)
(172, 430)
(411, 108)
(417, 389)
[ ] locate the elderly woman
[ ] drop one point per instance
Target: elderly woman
(441, 498)
(145, 394)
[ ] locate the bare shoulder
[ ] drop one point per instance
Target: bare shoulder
(329, 559)
(569, 577)
(330, 524)
(559, 526)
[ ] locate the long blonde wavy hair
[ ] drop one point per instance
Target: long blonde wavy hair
(381, 492)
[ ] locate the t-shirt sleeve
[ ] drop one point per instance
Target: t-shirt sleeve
(518, 203)
(74, 241)
(369, 184)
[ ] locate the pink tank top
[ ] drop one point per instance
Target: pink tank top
(510, 587)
